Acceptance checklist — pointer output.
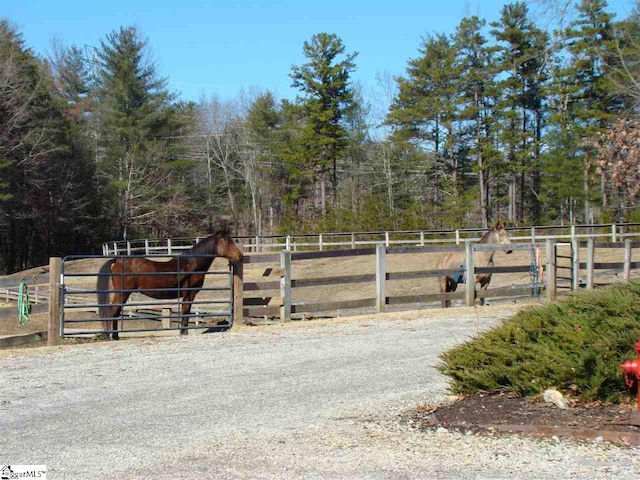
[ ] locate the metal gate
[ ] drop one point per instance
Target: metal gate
(211, 310)
(565, 265)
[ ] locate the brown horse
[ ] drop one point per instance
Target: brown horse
(162, 280)
(483, 258)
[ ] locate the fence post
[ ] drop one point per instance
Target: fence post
(421, 238)
(128, 247)
(381, 277)
(166, 318)
(320, 247)
(386, 238)
(551, 270)
(169, 246)
(146, 246)
(238, 293)
(457, 237)
(626, 272)
(470, 285)
(590, 261)
(285, 286)
(573, 233)
(575, 264)
(614, 233)
(353, 241)
(533, 234)
(54, 331)
(288, 242)
(257, 247)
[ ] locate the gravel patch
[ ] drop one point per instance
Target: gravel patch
(307, 400)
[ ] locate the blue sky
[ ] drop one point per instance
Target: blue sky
(219, 47)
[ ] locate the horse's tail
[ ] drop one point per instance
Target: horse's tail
(102, 286)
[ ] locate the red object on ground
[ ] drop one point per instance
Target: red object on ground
(631, 369)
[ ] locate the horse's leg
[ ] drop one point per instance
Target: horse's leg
(443, 289)
(186, 310)
(447, 285)
(484, 284)
(119, 299)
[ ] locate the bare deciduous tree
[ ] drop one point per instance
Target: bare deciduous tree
(618, 158)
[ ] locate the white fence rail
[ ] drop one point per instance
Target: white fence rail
(615, 232)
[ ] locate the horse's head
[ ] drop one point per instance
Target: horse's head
(500, 234)
(226, 247)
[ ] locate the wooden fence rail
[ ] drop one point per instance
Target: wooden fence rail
(380, 278)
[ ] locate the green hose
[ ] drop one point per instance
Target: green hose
(24, 307)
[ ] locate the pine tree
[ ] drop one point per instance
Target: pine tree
(137, 123)
(587, 40)
(326, 98)
(477, 103)
(424, 114)
(48, 186)
(521, 58)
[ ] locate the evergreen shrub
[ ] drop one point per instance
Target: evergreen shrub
(576, 345)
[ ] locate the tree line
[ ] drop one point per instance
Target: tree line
(507, 120)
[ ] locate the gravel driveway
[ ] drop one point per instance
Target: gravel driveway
(319, 400)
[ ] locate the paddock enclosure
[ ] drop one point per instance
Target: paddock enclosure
(394, 273)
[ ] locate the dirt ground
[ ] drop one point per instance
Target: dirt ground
(500, 413)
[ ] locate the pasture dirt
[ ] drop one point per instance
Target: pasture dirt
(503, 414)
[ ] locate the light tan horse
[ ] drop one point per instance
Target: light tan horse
(483, 258)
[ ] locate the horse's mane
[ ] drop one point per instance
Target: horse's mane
(206, 245)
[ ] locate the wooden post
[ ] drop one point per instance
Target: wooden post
(285, 286)
(169, 246)
(386, 238)
(421, 238)
(54, 331)
(614, 233)
(590, 262)
(381, 277)
(238, 294)
(573, 233)
(626, 272)
(320, 247)
(353, 240)
(257, 247)
(470, 285)
(166, 318)
(575, 264)
(551, 271)
(533, 234)
(128, 247)
(146, 246)
(457, 237)
(287, 242)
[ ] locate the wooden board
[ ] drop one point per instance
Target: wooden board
(320, 307)
(333, 253)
